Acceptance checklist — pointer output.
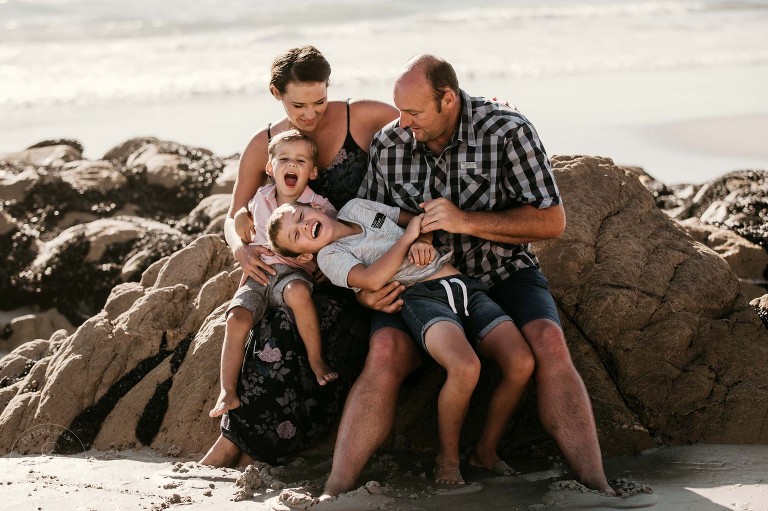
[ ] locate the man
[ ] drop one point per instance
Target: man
(483, 180)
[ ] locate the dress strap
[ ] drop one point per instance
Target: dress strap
(349, 133)
(269, 131)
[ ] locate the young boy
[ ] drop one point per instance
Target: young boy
(365, 248)
(291, 165)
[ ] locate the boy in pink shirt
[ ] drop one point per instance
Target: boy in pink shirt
(291, 166)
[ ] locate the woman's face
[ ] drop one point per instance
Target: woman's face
(304, 103)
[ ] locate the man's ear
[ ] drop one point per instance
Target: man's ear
(304, 258)
(275, 92)
(449, 98)
(317, 206)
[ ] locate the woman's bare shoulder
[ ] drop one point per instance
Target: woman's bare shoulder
(368, 116)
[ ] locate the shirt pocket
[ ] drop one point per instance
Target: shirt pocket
(476, 188)
(408, 195)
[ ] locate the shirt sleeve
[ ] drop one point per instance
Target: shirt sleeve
(336, 263)
(528, 174)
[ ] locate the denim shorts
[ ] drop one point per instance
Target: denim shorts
(257, 298)
(459, 299)
(524, 295)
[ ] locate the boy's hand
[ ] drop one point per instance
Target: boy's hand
(421, 252)
(413, 230)
(244, 225)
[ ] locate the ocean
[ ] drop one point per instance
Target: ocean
(196, 72)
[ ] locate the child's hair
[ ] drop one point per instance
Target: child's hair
(274, 224)
(292, 135)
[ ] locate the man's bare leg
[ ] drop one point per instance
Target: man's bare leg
(564, 407)
(369, 411)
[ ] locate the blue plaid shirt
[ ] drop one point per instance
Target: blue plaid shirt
(495, 161)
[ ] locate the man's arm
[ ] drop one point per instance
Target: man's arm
(522, 224)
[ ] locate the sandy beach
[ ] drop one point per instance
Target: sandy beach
(685, 478)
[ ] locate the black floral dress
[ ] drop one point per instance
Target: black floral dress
(283, 409)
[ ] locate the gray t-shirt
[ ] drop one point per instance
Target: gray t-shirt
(380, 232)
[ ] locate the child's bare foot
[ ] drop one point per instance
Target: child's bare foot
(227, 401)
(447, 472)
(490, 462)
(323, 372)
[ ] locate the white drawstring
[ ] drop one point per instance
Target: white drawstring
(449, 294)
(464, 290)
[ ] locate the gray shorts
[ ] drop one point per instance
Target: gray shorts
(257, 298)
(459, 299)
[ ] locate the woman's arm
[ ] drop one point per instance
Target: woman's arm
(250, 175)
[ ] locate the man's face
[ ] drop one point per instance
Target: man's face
(415, 99)
(292, 166)
(305, 230)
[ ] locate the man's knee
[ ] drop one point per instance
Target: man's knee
(547, 342)
(392, 353)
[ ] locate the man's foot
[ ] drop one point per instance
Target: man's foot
(600, 484)
(223, 453)
(490, 462)
(323, 372)
(226, 402)
(447, 472)
(369, 497)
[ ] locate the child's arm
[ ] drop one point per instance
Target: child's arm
(422, 251)
(244, 225)
(384, 268)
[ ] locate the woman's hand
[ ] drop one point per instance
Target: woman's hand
(249, 257)
(385, 299)
(319, 277)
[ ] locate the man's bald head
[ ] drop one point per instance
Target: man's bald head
(437, 72)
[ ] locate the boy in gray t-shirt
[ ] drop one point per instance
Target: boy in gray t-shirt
(366, 247)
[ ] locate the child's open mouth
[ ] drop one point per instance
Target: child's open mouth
(291, 179)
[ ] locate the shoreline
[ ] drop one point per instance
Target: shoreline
(649, 121)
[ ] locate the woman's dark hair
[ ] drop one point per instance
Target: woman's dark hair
(304, 65)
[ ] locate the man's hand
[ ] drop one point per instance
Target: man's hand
(443, 215)
(385, 299)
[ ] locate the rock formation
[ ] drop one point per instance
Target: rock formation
(670, 350)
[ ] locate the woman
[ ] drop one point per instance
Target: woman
(283, 409)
